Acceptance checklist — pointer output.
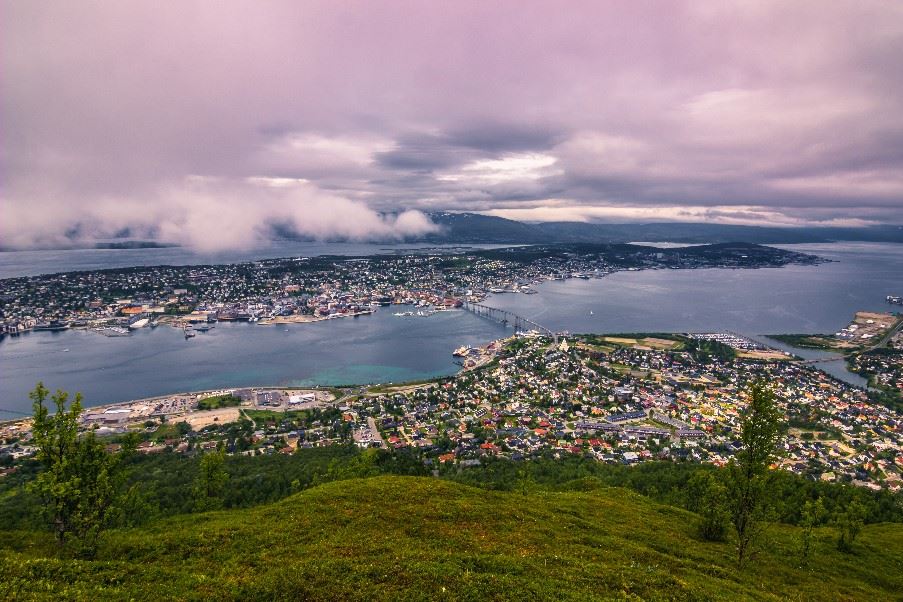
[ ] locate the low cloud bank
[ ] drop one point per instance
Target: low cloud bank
(206, 214)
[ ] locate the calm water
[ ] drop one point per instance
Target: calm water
(383, 347)
(376, 348)
(793, 299)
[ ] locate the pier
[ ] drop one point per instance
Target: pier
(508, 318)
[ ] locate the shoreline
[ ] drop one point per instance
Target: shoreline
(487, 353)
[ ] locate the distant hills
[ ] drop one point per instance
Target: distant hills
(475, 228)
(485, 229)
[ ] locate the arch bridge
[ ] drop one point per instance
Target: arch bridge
(506, 318)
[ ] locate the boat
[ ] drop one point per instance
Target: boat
(53, 325)
(112, 331)
(461, 351)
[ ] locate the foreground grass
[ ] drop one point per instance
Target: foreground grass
(419, 538)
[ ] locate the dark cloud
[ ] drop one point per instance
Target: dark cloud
(761, 111)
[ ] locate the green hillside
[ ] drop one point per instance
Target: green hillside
(415, 538)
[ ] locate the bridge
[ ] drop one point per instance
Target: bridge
(506, 317)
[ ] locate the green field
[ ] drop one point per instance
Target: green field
(419, 538)
(219, 401)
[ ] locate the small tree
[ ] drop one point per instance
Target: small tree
(849, 521)
(210, 484)
(812, 515)
(524, 479)
(713, 508)
(760, 432)
(79, 483)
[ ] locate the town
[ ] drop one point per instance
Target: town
(300, 289)
(618, 399)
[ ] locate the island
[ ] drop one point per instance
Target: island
(300, 289)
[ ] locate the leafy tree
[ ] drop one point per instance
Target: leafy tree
(79, 482)
(210, 483)
(849, 521)
(748, 474)
(714, 511)
(812, 515)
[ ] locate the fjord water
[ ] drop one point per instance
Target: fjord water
(383, 347)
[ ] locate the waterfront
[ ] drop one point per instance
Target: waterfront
(383, 347)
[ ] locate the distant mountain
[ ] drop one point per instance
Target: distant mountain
(486, 229)
(476, 228)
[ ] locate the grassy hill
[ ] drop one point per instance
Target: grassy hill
(420, 538)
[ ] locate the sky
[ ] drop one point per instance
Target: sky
(208, 123)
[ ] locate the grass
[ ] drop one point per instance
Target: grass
(824, 342)
(418, 538)
(219, 401)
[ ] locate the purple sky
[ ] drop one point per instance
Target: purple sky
(202, 122)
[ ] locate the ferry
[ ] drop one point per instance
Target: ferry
(461, 351)
(53, 325)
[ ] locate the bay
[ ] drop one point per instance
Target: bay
(383, 347)
(380, 347)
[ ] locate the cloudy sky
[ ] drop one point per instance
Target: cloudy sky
(202, 121)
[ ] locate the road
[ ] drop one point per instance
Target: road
(888, 335)
(371, 422)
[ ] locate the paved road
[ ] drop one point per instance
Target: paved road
(889, 335)
(371, 422)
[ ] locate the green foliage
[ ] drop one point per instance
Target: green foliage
(210, 483)
(78, 483)
(748, 471)
(428, 539)
(849, 522)
(703, 350)
(219, 401)
(714, 510)
(813, 515)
